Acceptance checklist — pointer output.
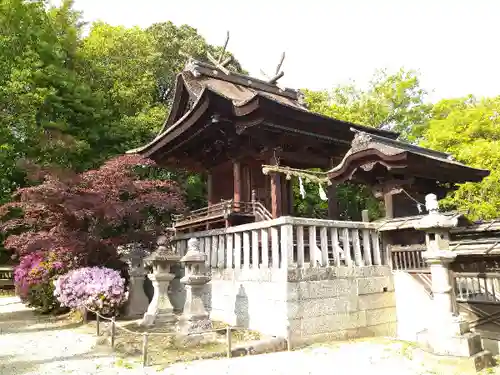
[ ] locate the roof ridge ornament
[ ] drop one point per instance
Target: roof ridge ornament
(361, 141)
(192, 66)
(220, 63)
(277, 74)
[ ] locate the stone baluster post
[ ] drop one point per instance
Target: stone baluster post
(133, 254)
(160, 310)
(195, 318)
(448, 333)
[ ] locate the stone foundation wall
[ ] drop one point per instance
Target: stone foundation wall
(341, 303)
(317, 303)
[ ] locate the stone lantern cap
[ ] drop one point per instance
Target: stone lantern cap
(163, 252)
(132, 251)
(435, 220)
(193, 255)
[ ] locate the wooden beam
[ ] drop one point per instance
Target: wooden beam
(303, 159)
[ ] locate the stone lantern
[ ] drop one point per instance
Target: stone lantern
(439, 257)
(133, 254)
(195, 318)
(160, 309)
(448, 333)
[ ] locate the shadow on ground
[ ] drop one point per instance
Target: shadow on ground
(11, 367)
(25, 321)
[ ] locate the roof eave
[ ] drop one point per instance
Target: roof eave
(147, 149)
(398, 160)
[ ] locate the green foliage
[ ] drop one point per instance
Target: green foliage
(469, 129)
(41, 298)
(352, 199)
(74, 101)
(391, 101)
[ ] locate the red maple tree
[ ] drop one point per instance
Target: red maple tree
(88, 215)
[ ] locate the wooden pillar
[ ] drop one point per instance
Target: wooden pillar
(290, 197)
(389, 206)
(284, 198)
(275, 192)
(237, 184)
(333, 204)
(210, 189)
(247, 183)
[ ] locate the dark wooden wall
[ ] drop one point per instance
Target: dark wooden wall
(252, 179)
(222, 182)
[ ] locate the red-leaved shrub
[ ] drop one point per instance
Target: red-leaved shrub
(80, 219)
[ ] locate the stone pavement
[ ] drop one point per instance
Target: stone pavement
(34, 346)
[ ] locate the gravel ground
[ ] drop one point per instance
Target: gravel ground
(34, 346)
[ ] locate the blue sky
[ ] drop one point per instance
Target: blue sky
(452, 43)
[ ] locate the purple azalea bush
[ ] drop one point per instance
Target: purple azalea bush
(98, 288)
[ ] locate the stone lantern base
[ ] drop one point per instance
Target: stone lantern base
(449, 334)
(464, 344)
(195, 324)
(160, 310)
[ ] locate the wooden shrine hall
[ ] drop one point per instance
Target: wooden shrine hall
(227, 126)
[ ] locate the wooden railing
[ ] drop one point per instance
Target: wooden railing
(289, 242)
(477, 287)
(261, 212)
(214, 210)
(408, 258)
(223, 209)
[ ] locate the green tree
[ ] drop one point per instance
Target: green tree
(392, 101)
(119, 63)
(469, 129)
(40, 96)
(73, 101)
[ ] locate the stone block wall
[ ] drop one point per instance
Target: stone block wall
(341, 303)
(317, 303)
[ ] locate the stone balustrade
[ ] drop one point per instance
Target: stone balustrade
(289, 242)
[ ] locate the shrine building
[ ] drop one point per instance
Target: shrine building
(226, 126)
(309, 279)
